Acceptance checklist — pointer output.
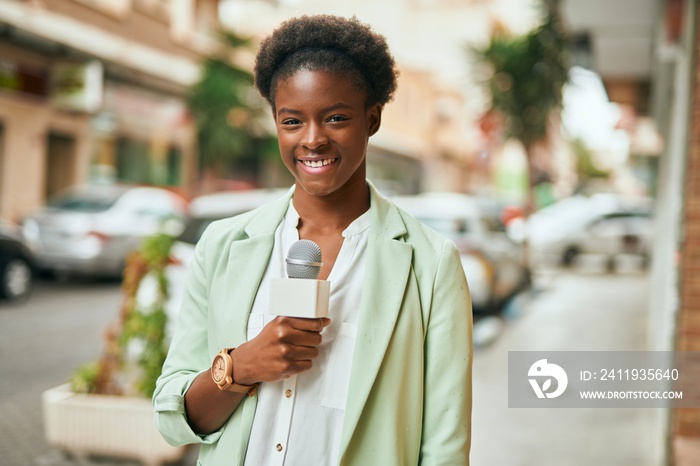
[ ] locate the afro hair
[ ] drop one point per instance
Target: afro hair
(329, 43)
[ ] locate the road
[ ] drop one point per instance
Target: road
(43, 340)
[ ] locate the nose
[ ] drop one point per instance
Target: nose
(314, 136)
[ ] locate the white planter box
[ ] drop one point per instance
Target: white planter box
(116, 426)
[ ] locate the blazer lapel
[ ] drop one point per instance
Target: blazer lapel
(387, 270)
(254, 254)
(248, 259)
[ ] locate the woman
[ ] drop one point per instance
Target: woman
(386, 380)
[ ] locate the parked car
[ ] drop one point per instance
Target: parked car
(606, 225)
(202, 211)
(210, 207)
(90, 229)
(492, 262)
(17, 264)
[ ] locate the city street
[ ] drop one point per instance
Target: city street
(60, 327)
(554, 141)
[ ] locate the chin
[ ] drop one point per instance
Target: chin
(318, 191)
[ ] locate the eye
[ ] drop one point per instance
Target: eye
(337, 118)
(291, 122)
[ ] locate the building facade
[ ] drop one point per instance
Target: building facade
(94, 90)
(649, 52)
(684, 32)
(674, 311)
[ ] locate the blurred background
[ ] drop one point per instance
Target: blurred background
(554, 140)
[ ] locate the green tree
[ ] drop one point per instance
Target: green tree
(229, 114)
(526, 77)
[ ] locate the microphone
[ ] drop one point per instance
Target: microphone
(304, 260)
(301, 294)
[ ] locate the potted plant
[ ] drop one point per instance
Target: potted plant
(106, 408)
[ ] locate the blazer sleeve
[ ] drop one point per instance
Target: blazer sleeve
(187, 357)
(447, 406)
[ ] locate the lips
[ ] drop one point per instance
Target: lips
(318, 163)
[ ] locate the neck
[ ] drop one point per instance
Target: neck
(335, 211)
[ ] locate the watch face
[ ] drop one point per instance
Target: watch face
(218, 369)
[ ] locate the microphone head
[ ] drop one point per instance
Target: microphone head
(304, 260)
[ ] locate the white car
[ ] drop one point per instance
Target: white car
(203, 210)
(605, 225)
(210, 207)
(90, 229)
(492, 261)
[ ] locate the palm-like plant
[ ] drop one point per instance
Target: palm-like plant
(527, 75)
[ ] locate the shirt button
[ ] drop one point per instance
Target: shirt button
(288, 393)
(279, 447)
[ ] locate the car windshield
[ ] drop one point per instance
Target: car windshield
(89, 200)
(194, 229)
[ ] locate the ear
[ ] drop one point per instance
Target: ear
(374, 117)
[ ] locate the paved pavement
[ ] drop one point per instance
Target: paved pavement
(42, 341)
(583, 310)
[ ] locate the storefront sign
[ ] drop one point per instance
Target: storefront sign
(18, 78)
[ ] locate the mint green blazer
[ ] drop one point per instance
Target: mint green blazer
(409, 401)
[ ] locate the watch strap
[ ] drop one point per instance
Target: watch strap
(228, 384)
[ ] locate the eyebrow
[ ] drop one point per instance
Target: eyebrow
(337, 106)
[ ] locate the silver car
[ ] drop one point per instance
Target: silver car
(16, 264)
(90, 229)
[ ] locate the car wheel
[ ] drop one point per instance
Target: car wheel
(567, 259)
(645, 261)
(611, 265)
(16, 279)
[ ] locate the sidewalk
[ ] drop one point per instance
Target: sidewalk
(571, 311)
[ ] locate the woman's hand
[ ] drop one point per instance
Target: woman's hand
(284, 347)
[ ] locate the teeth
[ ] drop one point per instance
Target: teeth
(318, 163)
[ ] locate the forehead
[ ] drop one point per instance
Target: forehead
(313, 87)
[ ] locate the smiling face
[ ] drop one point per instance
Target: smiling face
(323, 125)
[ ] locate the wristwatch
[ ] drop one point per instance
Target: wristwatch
(222, 373)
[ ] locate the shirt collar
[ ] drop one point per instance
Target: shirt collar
(357, 226)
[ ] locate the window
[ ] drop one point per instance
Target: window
(117, 8)
(2, 154)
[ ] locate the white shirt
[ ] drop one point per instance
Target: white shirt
(299, 421)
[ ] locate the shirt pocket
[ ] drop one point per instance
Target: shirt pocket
(256, 322)
(337, 380)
